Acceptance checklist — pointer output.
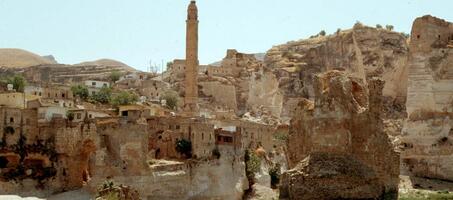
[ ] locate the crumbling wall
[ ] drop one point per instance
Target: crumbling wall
(343, 121)
(427, 135)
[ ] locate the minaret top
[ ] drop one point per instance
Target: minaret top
(192, 11)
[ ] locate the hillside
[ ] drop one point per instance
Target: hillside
(19, 58)
(107, 62)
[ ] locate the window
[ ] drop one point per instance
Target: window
(90, 116)
(105, 85)
(39, 93)
(79, 115)
(202, 136)
(93, 83)
(11, 120)
(62, 95)
(124, 113)
(418, 36)
(178, 127)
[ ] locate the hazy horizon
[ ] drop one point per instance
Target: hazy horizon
(137, 31)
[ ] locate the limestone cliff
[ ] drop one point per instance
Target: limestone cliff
(363, 51)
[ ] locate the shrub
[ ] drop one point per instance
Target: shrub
(184, 147)
(216, 153)
(115, 76)
(80, 91)
(252, 165)
(378, 26)
(18, 82)
(171, 99)
(275, 173)
(322, 33)
(124, 98)
(338, 31)
(103, 96)
(70, 115)
(8, 130)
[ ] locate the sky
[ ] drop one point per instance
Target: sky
(140, 32)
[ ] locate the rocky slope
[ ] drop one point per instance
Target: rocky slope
(363, 51)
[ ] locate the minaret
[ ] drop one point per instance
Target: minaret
(191, 71)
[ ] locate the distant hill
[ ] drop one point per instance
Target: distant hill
(19, 58)
(107, 62)
(50, 58)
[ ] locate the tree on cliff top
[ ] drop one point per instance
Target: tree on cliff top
(389, 27)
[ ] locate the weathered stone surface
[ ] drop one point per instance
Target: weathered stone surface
(363, 51)
(344, 120)
(427, 136)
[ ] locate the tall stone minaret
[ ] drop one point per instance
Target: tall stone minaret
(191, 72)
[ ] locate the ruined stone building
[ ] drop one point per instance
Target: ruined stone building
(336, 144)
(427, 135)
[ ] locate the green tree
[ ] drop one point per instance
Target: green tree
(115, 76)
(322, 33)
(389, 27)
(103, 96)
(169, 64)
(80, 91)
(124, 98)
(171, 99)
(378, 26)
(252, 165)
(70, 115)
(18, 82)
(184, 147)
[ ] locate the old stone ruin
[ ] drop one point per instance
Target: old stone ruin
(337, 148)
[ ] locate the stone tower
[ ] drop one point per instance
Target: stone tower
(191, 71)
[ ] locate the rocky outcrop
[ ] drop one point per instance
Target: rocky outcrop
(363, 51)
(427, 136)
(343, 123)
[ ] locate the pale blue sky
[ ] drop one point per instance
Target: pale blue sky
(136, 31)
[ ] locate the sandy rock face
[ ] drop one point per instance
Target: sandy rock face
(427, 136)
(363, 51)
(343, 123)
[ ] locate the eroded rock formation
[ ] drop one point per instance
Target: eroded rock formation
(343, 123)
(364, 51)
